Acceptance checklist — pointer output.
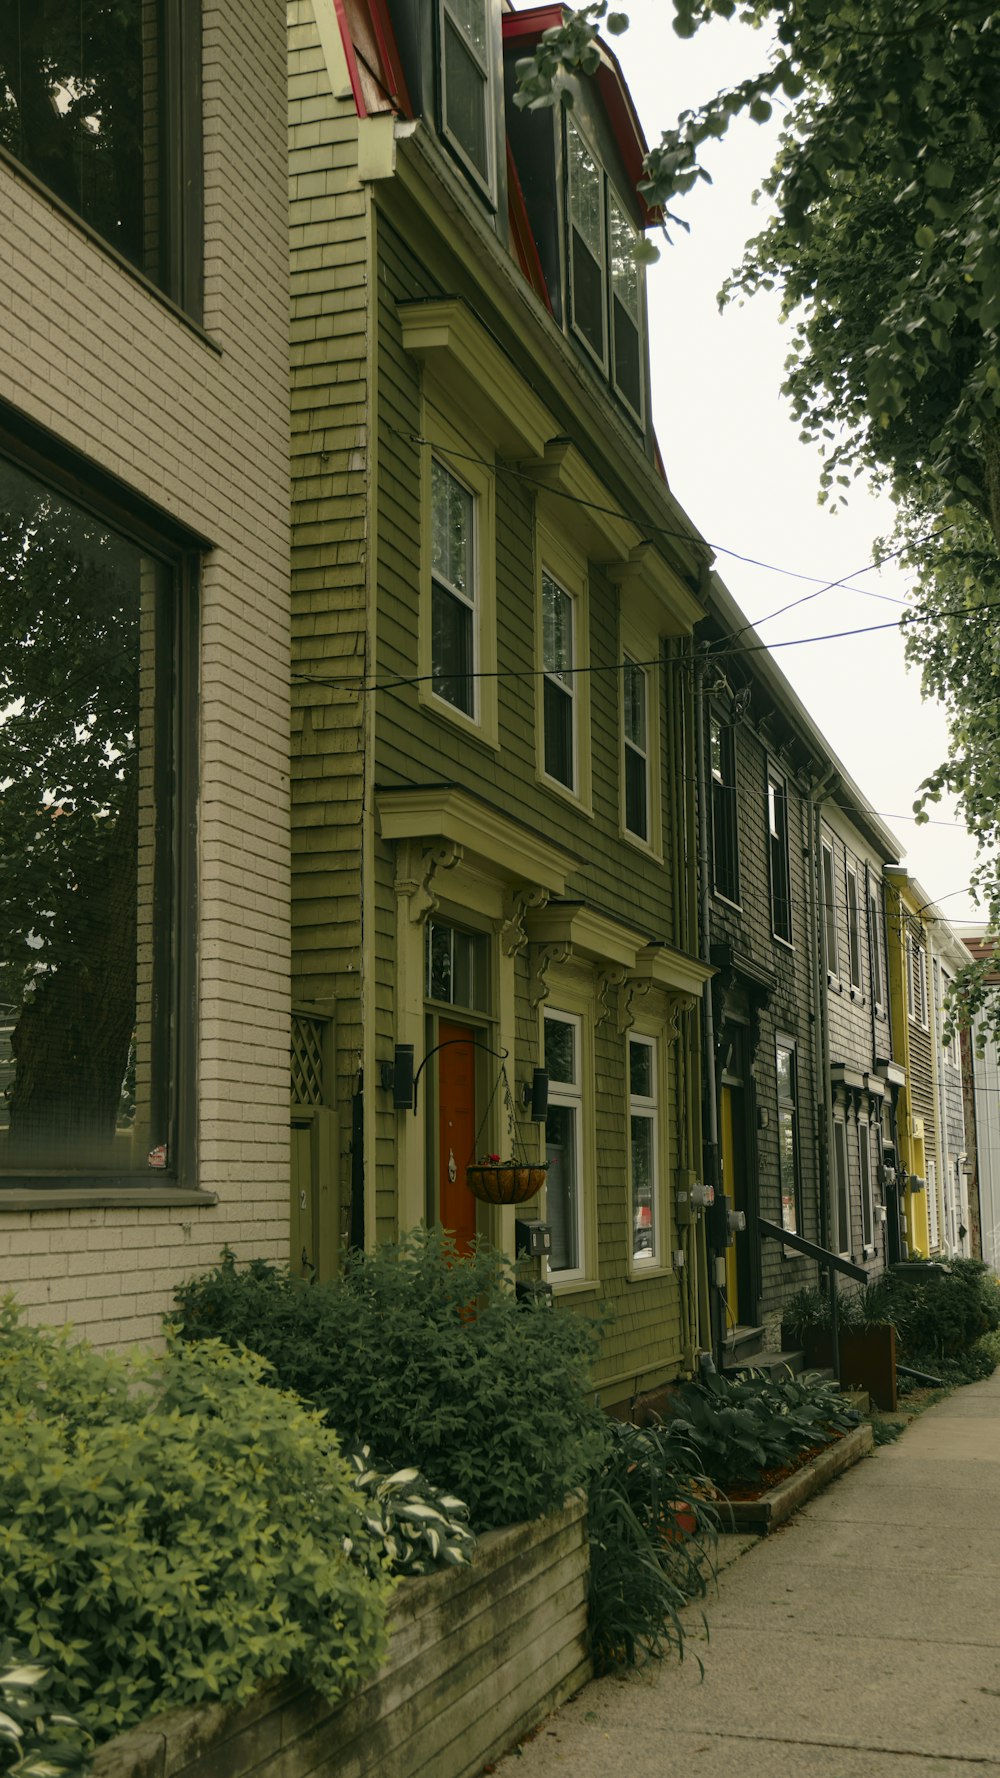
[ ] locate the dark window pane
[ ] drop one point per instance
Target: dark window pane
(643, 1152)
(466, 94)
(562, 1190)
(725, 831)
(560, 1051)
(628, 360)
(83, 835)
(451, 649)
(439, 961)
(636, 802)
(588, 296)
(78, 105)
(640, 1070)
(787, 1171)
(781, 909)
(558, 712)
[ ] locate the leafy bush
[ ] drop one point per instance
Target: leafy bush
(424, 1354)
(173, 1529)
(738, 1426)
(413, 1527)
(643, 1567)
(37, 1740)
(940, 1314)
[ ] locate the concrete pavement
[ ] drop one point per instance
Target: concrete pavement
(861, 1641)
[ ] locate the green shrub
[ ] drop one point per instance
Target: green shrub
(939, 1317)
(173, 1529)
(738, 1426)
(643, 1568)
(37, 1739)
(424, 1354)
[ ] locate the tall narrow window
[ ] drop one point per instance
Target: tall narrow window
(781, 894)
(88, 811)
(453, 590)
(917, 982)
(626, 308)
(103, 104)
(635, 718)
(559, 683)
(952, 1050)
(644, 1148)
(876, 941)
(841, 1189)
(587, 243)
(788, 1134)
(725, 846)
(854, 927)
(564, 1142)
(933, 1220)
(830, 911)
(466, 111)
(867, 1200)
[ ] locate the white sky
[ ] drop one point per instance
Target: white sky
(734, 460)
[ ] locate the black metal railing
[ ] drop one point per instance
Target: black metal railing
(772, 1231)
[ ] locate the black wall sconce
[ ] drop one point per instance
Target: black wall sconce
(398, 1074)
(399, 1077)
(537, 1095)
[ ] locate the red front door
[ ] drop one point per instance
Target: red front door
(456, 1130)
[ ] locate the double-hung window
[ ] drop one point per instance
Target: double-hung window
(867, 1200)
(96, 914)
(635, 726)
(916, 982)
(102, 104)
(466, 84)
(644, 1160)
(781, 892)
(829, 876)
(725, 843)
(841, 1189)
(605, 281)
(454, 615)
(875, 941)
(564, 1198)
(559, 683)
(854, 926)
(788, 1133)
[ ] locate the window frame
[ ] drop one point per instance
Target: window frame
(789, 1106)
(855, 953)
(180, 186)
(468, 458)
(445, 12)
(651, 1110)
(876, 945)
(552, 676)
(724, 799)
(606, 360)
(916, 983)
(828, 869)
(556, 558)
(841, 1186)
(173, 1055)
(779, 856)
(632, 662)
(952, 1051)
(866, 1186)
(571, 1097)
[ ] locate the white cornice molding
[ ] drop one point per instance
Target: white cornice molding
(436, 813)
(465, 360)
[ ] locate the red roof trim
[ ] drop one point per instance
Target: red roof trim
(393, 67)
(352, 60)
(521, 233)
(527, 28)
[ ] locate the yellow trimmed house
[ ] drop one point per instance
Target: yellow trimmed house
(494, 853)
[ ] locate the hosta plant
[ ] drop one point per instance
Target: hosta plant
(37, 1740)
(412, 1525)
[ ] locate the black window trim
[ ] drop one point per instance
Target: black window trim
(34, 450)
(606, 365)
(486, 187)
(731, 791)
(779, 893)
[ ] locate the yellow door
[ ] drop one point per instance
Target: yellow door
(315, 1231)
(729, 1185)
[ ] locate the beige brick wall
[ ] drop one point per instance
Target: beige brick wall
(202, 429)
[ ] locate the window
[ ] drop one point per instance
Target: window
(830, 912)
(781, 894)
(564, 1143)
(854, 926)
(952, 1050)
(841, 1189)
(644, 1161)
(916, 983)
(725, 843)
(605, 282)
(453, 591)
(635, 719)
(466, 107)
(93, 923)
(457, 966)
(933, 1221)
(867, 1201)
(788, 1133)
(559, 683)
(876, 942)
(102, 104)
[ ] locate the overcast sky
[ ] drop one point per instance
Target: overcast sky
(734, 461)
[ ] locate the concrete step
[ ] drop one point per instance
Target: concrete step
(774, 1364)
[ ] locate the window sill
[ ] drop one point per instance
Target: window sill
(637, 1274)
(857, 994)
(646, 847)
(457, 719)
(574, 800)
(572, 1286)
(60, 1195)
(779, 940)
(727, 900)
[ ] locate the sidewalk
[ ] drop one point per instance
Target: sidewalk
(861, 1641)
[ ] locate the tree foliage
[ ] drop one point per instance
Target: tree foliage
(884, 242)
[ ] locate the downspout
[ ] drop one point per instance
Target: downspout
(817, 797)
(710, 1145)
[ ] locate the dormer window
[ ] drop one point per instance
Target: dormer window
(605, 283)
(466, 103)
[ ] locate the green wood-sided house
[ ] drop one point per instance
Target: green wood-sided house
(494, 854)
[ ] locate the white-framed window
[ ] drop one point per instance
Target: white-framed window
(916, 982)
(626, 308)
(635, 731)
(454, 615)
(781, 890)
(644, 1148)
(841, 1188)
(456, 636)
(933, 1220)
(564, 1144)
(867, 1199)
(725, 820)
(853, 926)
(952, 1050)
(606, 286)
(830, 911)
(467, 85)
(876, 941)
(786, 1070)
(559, 700)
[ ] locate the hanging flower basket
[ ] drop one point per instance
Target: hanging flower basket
(494, 1181)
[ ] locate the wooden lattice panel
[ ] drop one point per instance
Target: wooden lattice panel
(307, 1060)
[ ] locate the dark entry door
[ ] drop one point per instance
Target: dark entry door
(456, 1129)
